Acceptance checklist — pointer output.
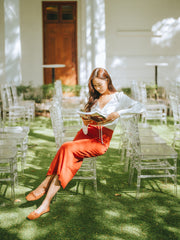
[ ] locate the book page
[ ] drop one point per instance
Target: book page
(95, 116)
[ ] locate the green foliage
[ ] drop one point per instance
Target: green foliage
(127, 91)
(48, 90)
(75, 89)
(21, 89)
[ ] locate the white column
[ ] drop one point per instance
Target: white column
(89, 32)
(12, 41)
(82, 44)
(93, 41)
(99, 35)
(2, 59)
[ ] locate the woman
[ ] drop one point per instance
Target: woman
(92, 140)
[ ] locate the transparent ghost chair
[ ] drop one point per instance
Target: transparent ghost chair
(156, 112)
(175, 106)
(69, 105)
(11, 110)
(63, 134)
(69, 111)
(28, 104)
(157, 160)
(124, 143)
(84, 93)
(58, 91)
(154, 109)
(146, 134)
(20, 136)
(1, 121)
(8, 166)
(135, 91)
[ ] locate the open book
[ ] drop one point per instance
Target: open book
(95, 116)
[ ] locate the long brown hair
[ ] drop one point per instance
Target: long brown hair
(93, 93)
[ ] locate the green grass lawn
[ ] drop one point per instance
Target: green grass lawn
(115, 214)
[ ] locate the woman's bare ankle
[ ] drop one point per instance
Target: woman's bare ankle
(42, 207)
(45, 184)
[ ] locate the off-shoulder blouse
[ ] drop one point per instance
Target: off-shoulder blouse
(120, 103)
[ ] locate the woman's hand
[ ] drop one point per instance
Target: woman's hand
(111, 117)
(88, 121)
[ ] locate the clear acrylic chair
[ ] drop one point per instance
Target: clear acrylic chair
(157, 160)
(28, 104)
(20, 136)
(154, 109)
(1, 120)
(135, 91)
(63, 134)
(124, 145)
(8, 166)
(155, 112)
(175, 107)
(11, 110)
(146, 135)
(58, 91)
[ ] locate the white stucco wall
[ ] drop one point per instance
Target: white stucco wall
(12, 42)
(129, 45)
(31, 42)
(2, 41)
(125, 37)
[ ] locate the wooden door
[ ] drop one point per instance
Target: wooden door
(60, 40)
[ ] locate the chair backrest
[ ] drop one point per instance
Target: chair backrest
(174, 103)
(143, 93)
(58, 90)
(4, 97)
(0, 118)
(130, 126)
(84, 93)
(9, 95)
(14, 94)
(57, 122)
(135, 91)
(17, 117)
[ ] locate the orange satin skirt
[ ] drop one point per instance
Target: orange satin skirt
(69, 157)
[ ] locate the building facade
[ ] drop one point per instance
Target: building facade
(127, 37)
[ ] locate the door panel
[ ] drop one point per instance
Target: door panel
(60, 43)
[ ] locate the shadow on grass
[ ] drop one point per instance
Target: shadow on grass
(41, 136)
(114, 214)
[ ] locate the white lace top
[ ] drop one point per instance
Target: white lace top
(120, 103)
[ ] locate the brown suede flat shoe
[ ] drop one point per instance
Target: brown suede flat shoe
(35, 215)
(32, 196)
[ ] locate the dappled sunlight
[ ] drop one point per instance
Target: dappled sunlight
(99, 33)
(1, 69)
(117, 62)
(31, 231)
(11, 11)
(94, 49)
(12, 42)
(132, 230)
(114, 214)
(166, 29)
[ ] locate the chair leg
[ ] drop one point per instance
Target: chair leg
(95, 186)
(126, 164)
(138, 184)
(175, 177)
(13, 180)
(131, 173)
